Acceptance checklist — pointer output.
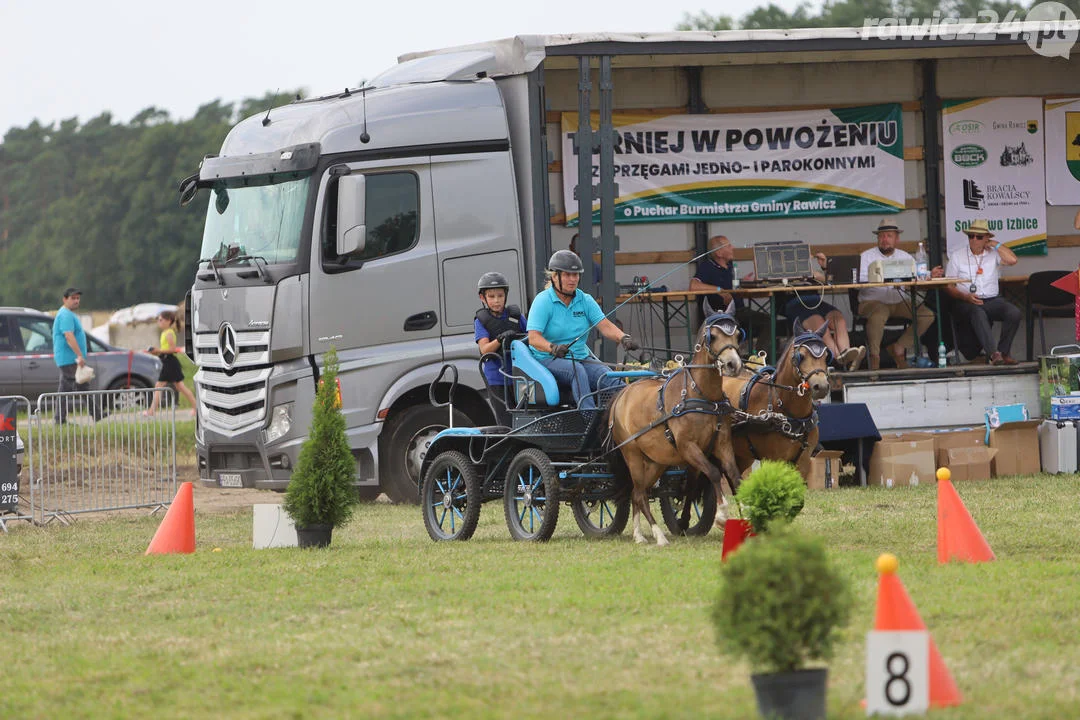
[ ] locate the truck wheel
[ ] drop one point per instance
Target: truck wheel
(404, 443)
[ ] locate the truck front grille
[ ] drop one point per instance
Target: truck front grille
(233, 399)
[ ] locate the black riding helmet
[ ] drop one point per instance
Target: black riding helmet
(492, 281)
(565, 261)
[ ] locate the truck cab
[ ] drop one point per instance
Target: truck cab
(359, 222)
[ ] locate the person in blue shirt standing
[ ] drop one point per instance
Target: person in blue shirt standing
(559, 322)
(69, 350)
(495, 325)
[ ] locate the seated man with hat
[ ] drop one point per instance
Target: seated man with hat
(879, 304)
(978, 302)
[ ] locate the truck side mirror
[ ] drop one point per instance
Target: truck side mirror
(351, 227)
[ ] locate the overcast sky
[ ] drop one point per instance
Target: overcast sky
(65, 59)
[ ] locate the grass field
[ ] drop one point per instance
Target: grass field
(387, 624)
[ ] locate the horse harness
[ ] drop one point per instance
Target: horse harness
(778, 420)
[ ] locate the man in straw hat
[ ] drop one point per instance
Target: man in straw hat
(978, 302)
(879, 304)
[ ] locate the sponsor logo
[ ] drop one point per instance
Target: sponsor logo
(973, 195)
(1016, 156)
(227, 345)
(965, 127)
(969, 156)
(1033, 126)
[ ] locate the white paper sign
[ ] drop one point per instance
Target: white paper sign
(897, 672)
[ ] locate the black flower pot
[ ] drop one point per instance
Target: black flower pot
(798, 695)
(314, 536)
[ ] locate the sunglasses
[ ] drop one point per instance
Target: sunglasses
(978, 237)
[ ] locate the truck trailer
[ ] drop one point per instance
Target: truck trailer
(362, 220)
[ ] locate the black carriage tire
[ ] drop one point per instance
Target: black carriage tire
(124, 401)
(407, 433)
(433, 497)
(531, 457)
(707, 515)
(584, 511)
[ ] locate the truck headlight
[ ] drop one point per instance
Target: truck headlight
(280, 423)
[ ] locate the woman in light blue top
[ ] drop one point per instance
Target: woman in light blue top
(558, 325)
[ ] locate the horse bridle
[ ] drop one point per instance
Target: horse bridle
(817, 349)
(727, 325)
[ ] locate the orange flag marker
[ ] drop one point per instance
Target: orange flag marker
(896, 611)
(958, 537)
(176, 533)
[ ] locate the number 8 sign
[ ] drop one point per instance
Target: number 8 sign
(897, 672)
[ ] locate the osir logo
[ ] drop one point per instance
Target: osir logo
(965, 127)
(969, 156)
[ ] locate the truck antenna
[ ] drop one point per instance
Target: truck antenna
(266, 120)
(364, 137)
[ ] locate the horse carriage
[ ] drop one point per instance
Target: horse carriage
(655, 438)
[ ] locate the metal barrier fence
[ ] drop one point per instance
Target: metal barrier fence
(102, 450)
(17, 492)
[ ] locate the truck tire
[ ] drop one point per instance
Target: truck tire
(403, 444)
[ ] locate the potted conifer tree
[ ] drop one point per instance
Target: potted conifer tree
(781, 604)
(775, 490)
(320, 495)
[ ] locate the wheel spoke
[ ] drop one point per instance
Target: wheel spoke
(442, 518)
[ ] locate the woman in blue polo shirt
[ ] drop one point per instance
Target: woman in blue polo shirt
(559, 321)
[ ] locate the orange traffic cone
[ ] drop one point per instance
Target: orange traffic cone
(895, 611)
(958, 537)
(176, 533)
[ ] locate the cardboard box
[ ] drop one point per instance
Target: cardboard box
(1064, 407)
(897, 462)
(970, 463)
(949, 439)
(824, 470)
(1017, 446)
(1058, 375)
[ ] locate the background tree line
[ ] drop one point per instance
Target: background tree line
(95, 204)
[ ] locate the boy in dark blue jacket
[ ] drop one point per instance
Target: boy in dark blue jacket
(496, 324)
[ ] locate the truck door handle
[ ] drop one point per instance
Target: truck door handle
(32, 364)
(421, 321)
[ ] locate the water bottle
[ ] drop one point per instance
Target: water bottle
(734, 275)
(941, 355)
(922, 264)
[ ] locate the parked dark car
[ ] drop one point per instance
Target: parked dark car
(26, 360)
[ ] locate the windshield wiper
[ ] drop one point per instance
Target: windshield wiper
(214, 274)
(260, 264)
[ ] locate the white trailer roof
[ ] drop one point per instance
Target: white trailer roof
(523, 53)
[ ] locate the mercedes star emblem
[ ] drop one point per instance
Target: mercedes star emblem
(226, 340)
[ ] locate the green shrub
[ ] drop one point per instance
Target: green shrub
(321, 488)
(774, 491)
(781, 603)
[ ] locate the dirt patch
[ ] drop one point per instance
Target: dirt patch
(219, 500)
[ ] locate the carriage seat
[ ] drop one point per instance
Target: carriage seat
(531, 377)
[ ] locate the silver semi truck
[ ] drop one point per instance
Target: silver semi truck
(360, 222)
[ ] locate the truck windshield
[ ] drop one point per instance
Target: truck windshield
(260, 220)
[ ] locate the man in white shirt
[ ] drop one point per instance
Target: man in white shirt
(879, 304)
(978, 302)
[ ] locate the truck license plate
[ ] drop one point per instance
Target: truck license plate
(230, 480)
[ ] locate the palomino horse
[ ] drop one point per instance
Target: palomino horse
(783, 422)
(657, 423)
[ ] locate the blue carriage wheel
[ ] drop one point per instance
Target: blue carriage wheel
(450, 497)
(531, 496)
